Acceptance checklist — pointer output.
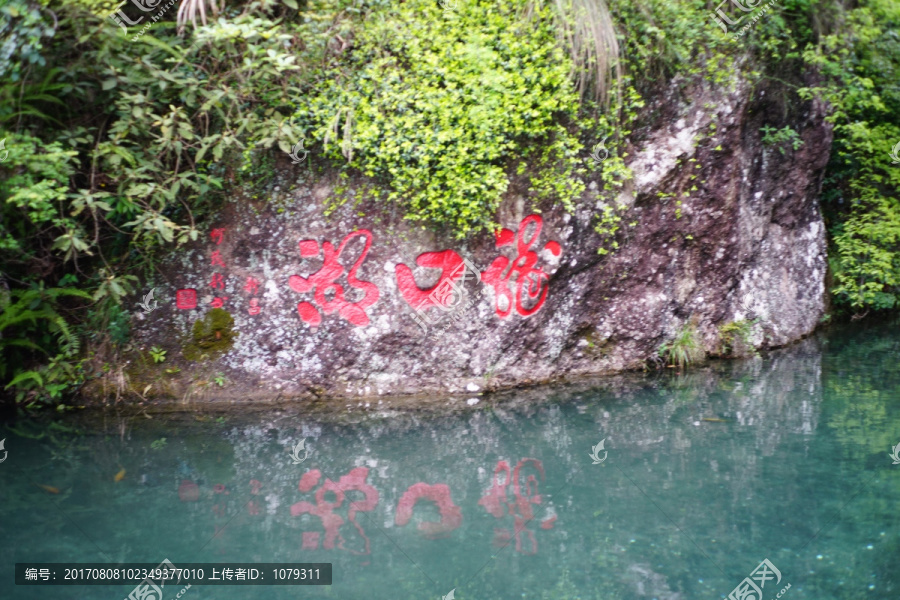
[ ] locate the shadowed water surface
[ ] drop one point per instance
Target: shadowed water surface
(705, 474)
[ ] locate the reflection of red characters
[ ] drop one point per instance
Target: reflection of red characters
(252, 506)
(495, 502)
(322, 282)
(451, 518)
(219, 509)
(188, 491)
(186, 299)
(355, 480)
(531, 285)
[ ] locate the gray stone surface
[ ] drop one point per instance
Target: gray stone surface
(749, 244)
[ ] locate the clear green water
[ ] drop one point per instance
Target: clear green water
(798, 473)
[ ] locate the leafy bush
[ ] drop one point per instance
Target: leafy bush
(861, 196)
(867, 266)
(30, 323)
(438, 105)
(144, 139)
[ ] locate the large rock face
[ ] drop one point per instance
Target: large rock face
(718, 228)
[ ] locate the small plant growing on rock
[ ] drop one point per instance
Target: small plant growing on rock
(736, 337)
(157, 354)
(684, 349)
(780, 137)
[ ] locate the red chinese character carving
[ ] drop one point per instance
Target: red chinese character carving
(218, 302)
(452, 266)
(186, 299)
(495, 503)
(255, 486)
(531, 285)
(217, 281)
(323, 283)
(254, 307)
(217, 259)
(451, 517)
(216, 234)
(252, 285)
(355, 480)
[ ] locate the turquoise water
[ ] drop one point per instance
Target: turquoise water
(793, 467)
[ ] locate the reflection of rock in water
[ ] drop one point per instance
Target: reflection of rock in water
(453, 476)
(647, 418)
(648, 584)
(770, 401)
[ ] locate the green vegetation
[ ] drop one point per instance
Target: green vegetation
(157, 354)
(736, 337)
(685, 349)
(121, 146)
(211, 336)
(786, 136)
(31, 324)
(861, 195)
(437, 104)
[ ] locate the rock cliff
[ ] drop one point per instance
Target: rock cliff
(716, 228)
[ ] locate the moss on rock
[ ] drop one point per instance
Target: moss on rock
(211, 337)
